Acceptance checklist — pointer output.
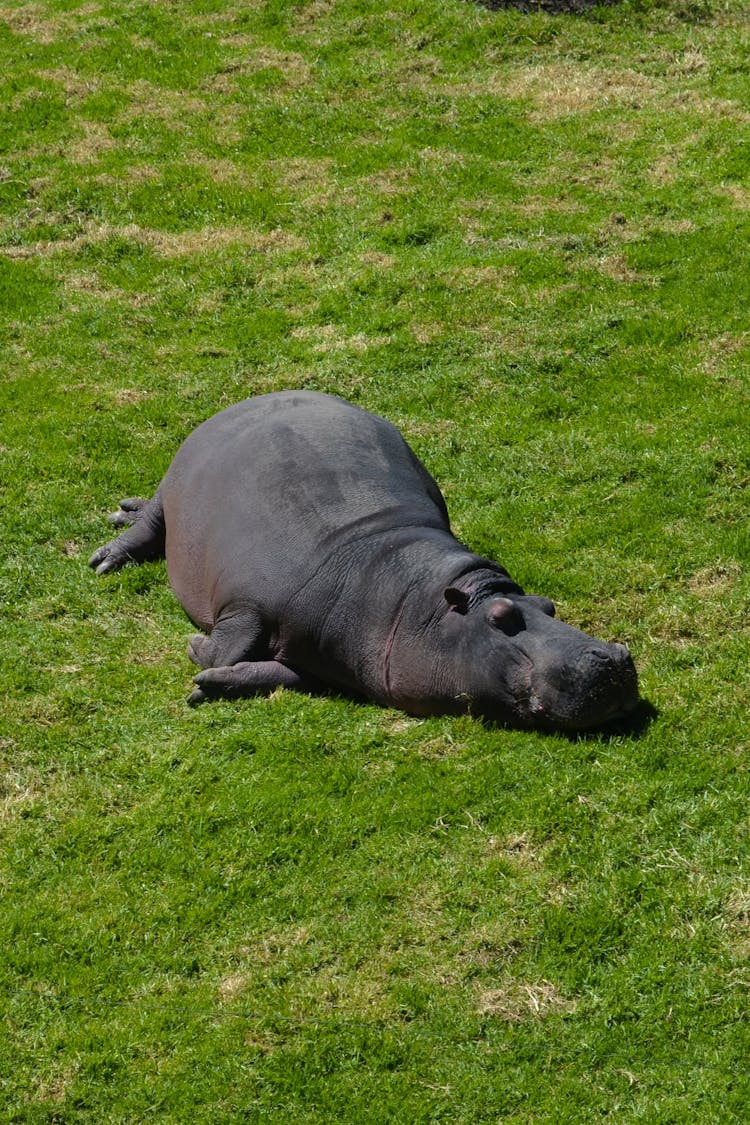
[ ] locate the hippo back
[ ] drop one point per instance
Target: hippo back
(263, 495)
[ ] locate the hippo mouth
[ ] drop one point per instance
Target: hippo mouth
(600, 687)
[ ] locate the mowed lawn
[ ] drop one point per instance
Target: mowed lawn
(524, 239)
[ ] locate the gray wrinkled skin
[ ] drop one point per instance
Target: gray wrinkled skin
(311, 546)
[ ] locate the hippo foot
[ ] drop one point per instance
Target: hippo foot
(109, 557)
(141, 538)
(129, 511)
(248, 678)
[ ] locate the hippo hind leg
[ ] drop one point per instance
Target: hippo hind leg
(141, 540)
(237, 635)
(235, 661)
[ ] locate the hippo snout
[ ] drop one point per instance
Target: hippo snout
(595, 686)
(611, 671)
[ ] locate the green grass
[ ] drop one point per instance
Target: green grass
(524, 239)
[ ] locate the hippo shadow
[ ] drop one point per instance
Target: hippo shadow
(633, 725)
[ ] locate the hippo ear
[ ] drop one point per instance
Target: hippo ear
(544, 604)
(457, 599)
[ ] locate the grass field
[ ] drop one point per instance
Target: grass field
(524, 239)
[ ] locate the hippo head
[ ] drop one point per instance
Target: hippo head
(522, 666)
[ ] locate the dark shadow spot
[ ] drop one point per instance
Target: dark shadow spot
(633, 725)
(553, 7)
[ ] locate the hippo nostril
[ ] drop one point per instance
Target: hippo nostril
(614, 655)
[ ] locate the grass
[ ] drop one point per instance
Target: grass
(523, 239)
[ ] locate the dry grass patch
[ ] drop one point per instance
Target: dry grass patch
(327, 986)
(143, 43)
(538, 206)
(663, 170)
(222, 171)
(268, 948)
(736, 916)
(130, 396)
(563, 89)
(55, 1084)
(517, 1001)
(225, 15)
(705, 106)
(95, 140)
(173, 107)
(293, 67)
(515, 846)
(241, 39)
(427, 333)
(419, 72)
(722, 349)
(466, 278)
(439, 427)
(615, 267)
(400, 724)
(309, 14)
(598, 175)
(691, 61)
(377, 258)
(436, 748)
(169, 245)
(226, 124)
(17, 795)
(303, 175)
(390, 182)
(443, 157)
(312, 182)
(37, 22)
(738, 194)
(715, 581)
(74, 85)
(328, 338)
(626, 230)
(233, 986)
(138, 174)
(91, 284)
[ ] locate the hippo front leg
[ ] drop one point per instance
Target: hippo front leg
(256, 677)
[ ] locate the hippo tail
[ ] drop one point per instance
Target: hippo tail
(141, 540)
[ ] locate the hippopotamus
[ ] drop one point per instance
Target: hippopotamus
(313, 549)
